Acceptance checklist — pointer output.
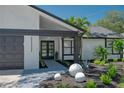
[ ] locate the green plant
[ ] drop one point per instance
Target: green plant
(103, 62)
(56, 55)
(106, 79)
(91, 84)
(115, 60)
(63, 85)
(122, 59)
(101, 52)
(41, 61)
(98, 62)
(112, 71)
(118, 45)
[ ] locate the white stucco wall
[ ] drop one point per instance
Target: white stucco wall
(31, 52)
(88, 47)
(113, 56)
(47, 23)
(23, 17)
(18, 17)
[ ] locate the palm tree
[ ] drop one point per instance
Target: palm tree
(82, 23)
(79, 22)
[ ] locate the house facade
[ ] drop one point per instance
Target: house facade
(26, 31)
(100, 36)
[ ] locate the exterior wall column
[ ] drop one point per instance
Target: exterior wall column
(76, 49)
(31, 52)
(62, 49)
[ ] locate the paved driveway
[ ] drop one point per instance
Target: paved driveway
(29, 78)
(9, 78)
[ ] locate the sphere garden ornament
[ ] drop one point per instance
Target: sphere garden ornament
(80, 77)
(57, 76)
(75, 68)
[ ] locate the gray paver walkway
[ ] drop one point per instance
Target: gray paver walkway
(29, 78)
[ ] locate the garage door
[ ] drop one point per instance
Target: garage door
(11, 52)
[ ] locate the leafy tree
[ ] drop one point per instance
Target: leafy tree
(118, 45)
(114, 20)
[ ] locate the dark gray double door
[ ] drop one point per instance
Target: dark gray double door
(47, 49)
(11, 52)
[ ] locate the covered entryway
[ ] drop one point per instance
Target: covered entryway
(31, 49)
(47, 49)
(11, 52)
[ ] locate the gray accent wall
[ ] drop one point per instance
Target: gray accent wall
(11, 52)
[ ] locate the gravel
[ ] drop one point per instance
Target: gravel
(32, 80)
(26, 79)
(29, 78)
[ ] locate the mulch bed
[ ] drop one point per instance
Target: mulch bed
(93, 72)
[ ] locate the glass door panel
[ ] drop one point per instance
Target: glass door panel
(44, 53)
(47, 49)
(44, 45)
(51, 49)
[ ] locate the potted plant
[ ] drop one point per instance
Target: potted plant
(56, 56)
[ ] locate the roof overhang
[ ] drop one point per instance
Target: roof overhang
(58, 19)
(35, 32)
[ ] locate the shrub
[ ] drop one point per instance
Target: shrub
(91, 84)
(101, 52)
(56, 55)
(106, 79)
(42, 63)
(98, 62)
(122, 59)
(102, 62)
(118, 45)
(115, 60)
(112, 71)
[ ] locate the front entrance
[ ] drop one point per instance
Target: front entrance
(47, 49)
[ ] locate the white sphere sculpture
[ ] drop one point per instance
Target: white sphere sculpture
(74, 68)
(57, 76)
(80, 77)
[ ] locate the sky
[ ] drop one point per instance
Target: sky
(92, 12)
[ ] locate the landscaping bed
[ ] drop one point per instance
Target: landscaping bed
(93, 73)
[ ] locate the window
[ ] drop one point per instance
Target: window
(68, 47)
